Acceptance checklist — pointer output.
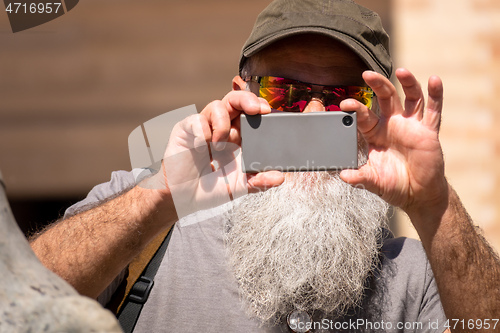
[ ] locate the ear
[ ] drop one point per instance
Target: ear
(238, 83)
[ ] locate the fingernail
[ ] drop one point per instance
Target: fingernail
(200, 145)
(264, 106)
(219, 145)
(252, 178)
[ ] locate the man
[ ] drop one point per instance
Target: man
(306, 248)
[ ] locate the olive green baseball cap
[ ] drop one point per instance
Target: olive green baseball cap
(344, 20)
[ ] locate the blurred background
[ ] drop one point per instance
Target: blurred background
(72, 90)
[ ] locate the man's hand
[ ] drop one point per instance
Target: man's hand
(200, 166)
(405, 162)
(405, 167)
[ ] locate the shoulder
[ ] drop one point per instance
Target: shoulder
(403, 248)
(404, 263)
(407, 257)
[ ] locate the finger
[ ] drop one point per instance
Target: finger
(198, 130)
(221, 113)
(366, 118)
(221, 123)
(432, 114)
(363, 177)
(234, 132)
(386, 93)
(264, 106)
(201, 132)
(223, 158)
(245, 101)
(264, 180)
(414, 98)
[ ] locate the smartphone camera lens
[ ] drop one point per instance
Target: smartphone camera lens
(347, 121)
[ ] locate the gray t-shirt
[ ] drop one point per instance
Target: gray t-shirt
(194, 290)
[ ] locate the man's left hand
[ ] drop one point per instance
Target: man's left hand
(405, 161)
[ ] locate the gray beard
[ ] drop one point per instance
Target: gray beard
(309, 244)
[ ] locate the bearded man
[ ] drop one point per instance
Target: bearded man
(303, 251)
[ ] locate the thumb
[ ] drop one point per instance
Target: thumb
(264, 180)
(364, 178)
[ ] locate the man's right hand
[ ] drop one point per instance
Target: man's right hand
(201, 167)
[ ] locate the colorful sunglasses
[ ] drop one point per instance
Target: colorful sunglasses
(293, 96)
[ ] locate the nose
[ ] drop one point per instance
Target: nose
(314, 105)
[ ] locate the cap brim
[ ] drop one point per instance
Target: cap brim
(368, 58)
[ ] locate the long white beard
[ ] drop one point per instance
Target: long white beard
(309, 244)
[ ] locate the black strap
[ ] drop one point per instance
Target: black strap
(1, 181)
(141, 289)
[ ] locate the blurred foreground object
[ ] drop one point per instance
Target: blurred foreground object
(33, 298)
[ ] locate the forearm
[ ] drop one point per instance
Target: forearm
(466, 268)
(91, 248)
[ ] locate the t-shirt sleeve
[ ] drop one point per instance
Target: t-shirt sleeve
(120, 182)
(408, 290)
(431, 309)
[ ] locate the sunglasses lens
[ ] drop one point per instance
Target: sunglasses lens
(333, 96)
(362, 94)
(283, 94)
(293, 96)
